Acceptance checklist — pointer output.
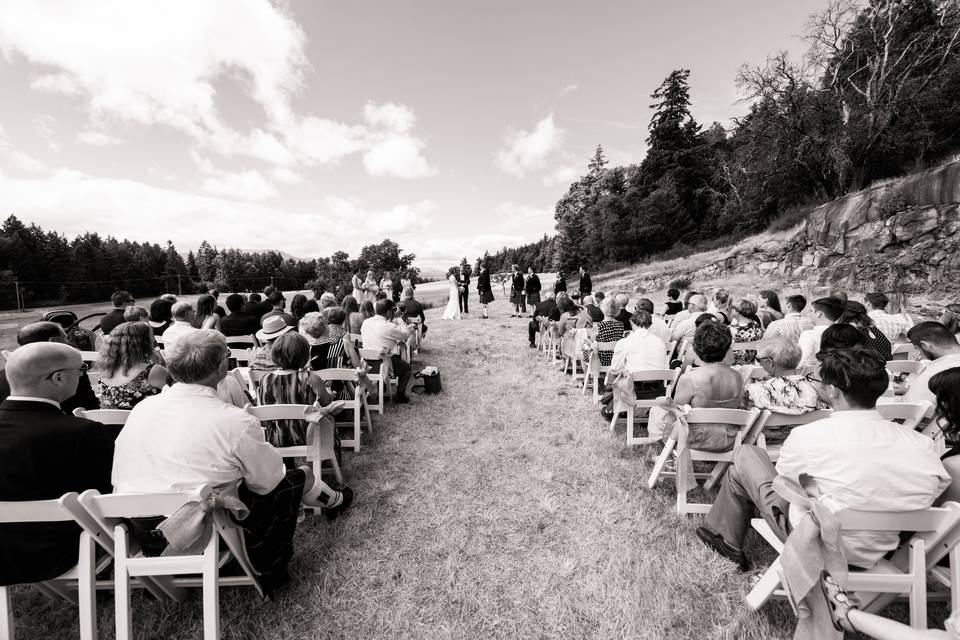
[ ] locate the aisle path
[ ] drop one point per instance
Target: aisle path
(502, 508)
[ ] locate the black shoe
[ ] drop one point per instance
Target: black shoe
(346, 500)
(606, 413)
(716, 542)
(400, 399)
(533, 345)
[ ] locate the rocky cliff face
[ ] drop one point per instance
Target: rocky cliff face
(903, 234)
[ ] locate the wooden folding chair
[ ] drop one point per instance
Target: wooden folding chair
(320, 436)
(770, 419)
(741, 418)
(110, 511)
(937, 532)
(77, 585)
(358, 405)
(595, 369)
(384, 385)
(103, 416)
(669, 378)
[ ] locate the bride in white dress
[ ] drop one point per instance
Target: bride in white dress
(452, 312)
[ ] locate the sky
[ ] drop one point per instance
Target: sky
(311, 126)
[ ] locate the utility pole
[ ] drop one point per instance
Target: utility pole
(16, 285)
(179, 287)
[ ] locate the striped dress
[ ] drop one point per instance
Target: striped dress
(285, 387)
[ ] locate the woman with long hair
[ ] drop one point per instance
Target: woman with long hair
(128, 373)
(297, 306)
(768, 308)
(354, 318)
(206, 314)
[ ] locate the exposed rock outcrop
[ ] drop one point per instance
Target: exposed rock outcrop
(902, 234)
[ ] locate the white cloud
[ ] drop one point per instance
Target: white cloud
(399, 220)
(97, 138)
(44, 125)
(286, 176)
(390, 115)
(323, 141)
(246, 185)
(19, 159)
(570, 88)
(399, 156)
(561, 176)
(526, 150)
(523, 212)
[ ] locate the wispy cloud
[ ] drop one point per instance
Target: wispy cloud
(570, 88)
(523, 151)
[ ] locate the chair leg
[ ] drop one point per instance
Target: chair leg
(765, 587)
(87, 587)
(918, 591)
(121, 586)
(596, 388)
(661, 462)
(6, 614)
(211, 589)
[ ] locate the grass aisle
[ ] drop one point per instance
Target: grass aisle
(502, 508)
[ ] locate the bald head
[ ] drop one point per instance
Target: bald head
(44, 370)
(623, 300)
(697, 302)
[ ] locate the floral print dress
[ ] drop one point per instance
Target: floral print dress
(746, 333)
(126, 396)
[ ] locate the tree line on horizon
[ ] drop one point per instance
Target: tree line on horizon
(877, 95)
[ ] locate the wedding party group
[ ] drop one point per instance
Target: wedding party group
(458, 303)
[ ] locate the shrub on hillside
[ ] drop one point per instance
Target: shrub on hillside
(680, 283)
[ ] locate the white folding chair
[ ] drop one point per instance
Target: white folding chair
(76, 585)
(745, 420)
(358, 405)
(910, 367)
(384, 386)
(912, 413)
(595, 369)
(241, 342)
(937, 531)
(254, 376)
(103, 416)
(671, 345)
(669, 378)
(159, 341)
(90, 357)
(241, 356)
(320, 436)
(905, 351)
(770, 419)
(110, 511)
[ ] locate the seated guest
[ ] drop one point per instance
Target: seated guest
(938, 345)
(256, 307)
(134, 313)
(569, 314)
(769, 308)
(946, 387)
(546, 309)
(722, 306)
(381, 334)
(182, 324)
(657, 327)
(894, 327)
(120, 300)
(607, 330)
(329, 338)
(206, 316)
(45, 453)
(413, 309)
(590, 313)
(792, 324)
(746, 328)
(355, 317)
(327, 300)
(169, 297)
(624, 316)
(673, 305)
(842, 336)
(291, 383)
(128, 373)
(684, 328)
(311, 306)
(187, 437)
(366, 308)
(297, 306)
(160, 316)
(640, 351)
(216, 301)
(784, 391)
(855, 459)
(950, 318)
(84, 398)
(826, 311)
(713, 385)
(684, 313)
(238, 323)
(855, 314)
(278, 303)
(273, 328)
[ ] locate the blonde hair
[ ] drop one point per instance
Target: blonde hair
(129, 345)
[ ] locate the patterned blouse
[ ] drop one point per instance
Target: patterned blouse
(746, 333)
(126, 396)
(607, 331)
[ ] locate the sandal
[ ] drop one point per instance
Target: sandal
(839, 601)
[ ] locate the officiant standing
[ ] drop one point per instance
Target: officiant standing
(484, 289)
(463, 284)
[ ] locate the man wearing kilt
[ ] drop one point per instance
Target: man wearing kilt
(484, 289)
(516, 293)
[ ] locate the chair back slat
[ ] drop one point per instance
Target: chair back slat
(134, 505)
(36, 510)
(242, 356)
(905, 366)
(772, 419)
(745, 346)
(249, 341)
(910, 412)
(103, 416)
(89, 357)
(932, 519)
(278, 411)
(341, 375)
(738, 417)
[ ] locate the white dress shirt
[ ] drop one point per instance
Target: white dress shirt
(789, 326)
(809, 343)
(685, 329)
(919, 390)
(859, 460)
(379, 333)
(34, 399)
(186, 437)
(659, 328)
(174, 332)
(891, 326)
(640, 351)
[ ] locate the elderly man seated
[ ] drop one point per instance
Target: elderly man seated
(44, 454)
(380, 333)
(855, 459)
(684, 329)
(183, 314)
(187, 437)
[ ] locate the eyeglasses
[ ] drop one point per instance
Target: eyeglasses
(81, 369)
(762, 358)
(811, 378)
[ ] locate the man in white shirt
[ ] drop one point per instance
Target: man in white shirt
(684, 329)
(791, 325)
(380, 333)
(894, 327)
(641, 350)
(187, 437)
(182, 313)
(938, 345)
(855, 459)
(826, 311)
(658, 326)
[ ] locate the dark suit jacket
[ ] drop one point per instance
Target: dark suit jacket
(463, 281)
(413, 309)
(483, 281)
(109, 321)
(44, 454)
(239, 324)
(586, 286)
(84, 398)
(624, 317)
(559, 285)
(257, 309)
(547, 308)
(533, 284)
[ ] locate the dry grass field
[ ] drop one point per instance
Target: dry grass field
(501, 508)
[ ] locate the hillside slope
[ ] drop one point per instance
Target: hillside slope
(901, 234)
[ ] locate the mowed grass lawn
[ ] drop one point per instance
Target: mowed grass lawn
(501, 508)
